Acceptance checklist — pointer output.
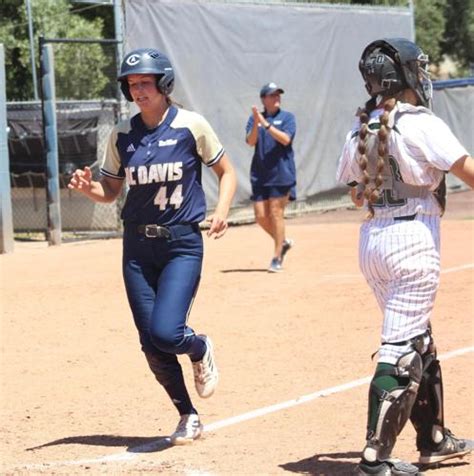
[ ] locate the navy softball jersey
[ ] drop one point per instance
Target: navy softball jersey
(273, 164)
(162, 167)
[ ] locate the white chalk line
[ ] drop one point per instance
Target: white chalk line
(457, 268)
(312, 396)
(354, 276)
(162, 443)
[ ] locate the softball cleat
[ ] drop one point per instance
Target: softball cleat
(189, 429)
(449, 447)
(275, 266)
(205, 371)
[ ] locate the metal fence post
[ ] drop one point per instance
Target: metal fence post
(50, 131)
(6, 217)
(411, 7)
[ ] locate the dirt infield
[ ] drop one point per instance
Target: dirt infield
(293, 350)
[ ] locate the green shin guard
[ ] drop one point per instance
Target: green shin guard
(383, 381)
(392, 394)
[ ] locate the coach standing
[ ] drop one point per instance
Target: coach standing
(273, 171)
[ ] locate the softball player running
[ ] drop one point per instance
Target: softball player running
(395, 160)
(159, 153)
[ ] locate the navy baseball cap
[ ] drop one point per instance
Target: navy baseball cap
(270, 88)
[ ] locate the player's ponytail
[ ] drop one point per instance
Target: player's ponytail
(362, 149)
(382, 149)
(372, 193)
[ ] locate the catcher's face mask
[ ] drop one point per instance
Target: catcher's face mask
(425, 84)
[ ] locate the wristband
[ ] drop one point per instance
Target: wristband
(268, 127)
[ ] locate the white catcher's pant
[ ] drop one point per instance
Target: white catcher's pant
(401, 263)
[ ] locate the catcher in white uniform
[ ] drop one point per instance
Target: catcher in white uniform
(395, 159)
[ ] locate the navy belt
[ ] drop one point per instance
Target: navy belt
(166, 232)
(405, 218)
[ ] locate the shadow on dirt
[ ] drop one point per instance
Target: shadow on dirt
(245, 270)
(331, 464)
(134, 444)
(325, 464)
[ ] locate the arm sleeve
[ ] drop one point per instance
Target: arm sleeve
(289, 126)
(208, 145)
(111, 163)
(439, 145)
(249, 126)
(348, 170)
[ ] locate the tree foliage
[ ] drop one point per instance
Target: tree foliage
(430, 25)
(443, 27)
(458, 40)
(79, 68)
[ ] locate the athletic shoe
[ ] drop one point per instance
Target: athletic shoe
(287, 245)
(392, 467)
(275, 266)
(189, 429)
(205, 371)
(449, 447)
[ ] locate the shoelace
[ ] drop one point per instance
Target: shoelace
(182, 425)
(186, 424)
(204, 373)
(451, 441)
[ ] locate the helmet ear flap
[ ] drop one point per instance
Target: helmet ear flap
(126, 90)
(165, 84)
(381, 72)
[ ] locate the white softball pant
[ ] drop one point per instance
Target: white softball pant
(401, 263)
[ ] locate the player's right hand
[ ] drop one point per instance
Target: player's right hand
(256, 113)
(217, 225)
(81, 180)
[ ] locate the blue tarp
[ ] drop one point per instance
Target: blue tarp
(453, 83)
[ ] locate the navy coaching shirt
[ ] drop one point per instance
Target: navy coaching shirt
(273, 164)
(162, 167)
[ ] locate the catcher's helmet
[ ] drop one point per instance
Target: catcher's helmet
(147, 61)
(390, 65)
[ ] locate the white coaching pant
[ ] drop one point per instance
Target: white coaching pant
(401, 263)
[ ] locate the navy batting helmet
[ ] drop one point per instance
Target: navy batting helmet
(147, 61)
(390, 65)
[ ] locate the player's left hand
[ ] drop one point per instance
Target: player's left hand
(217, 226)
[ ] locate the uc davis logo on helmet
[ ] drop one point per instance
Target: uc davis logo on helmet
(132, 60)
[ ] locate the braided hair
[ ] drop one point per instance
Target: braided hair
(372, 187)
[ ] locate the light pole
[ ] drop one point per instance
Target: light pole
(411, 7)
(32, 49)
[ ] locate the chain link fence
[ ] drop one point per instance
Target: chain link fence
(83, 73)
(83, 130)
